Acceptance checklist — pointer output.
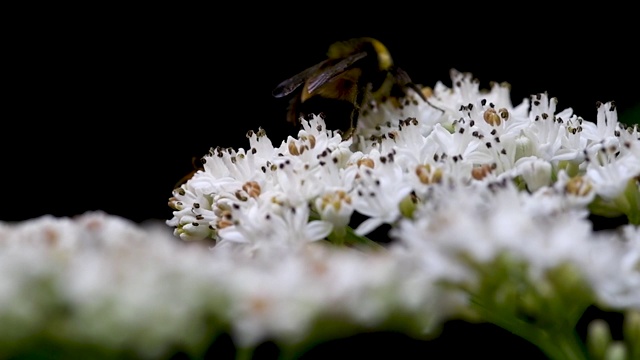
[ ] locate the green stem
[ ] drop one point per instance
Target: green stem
(337, 236)
(555, 344)
(346, 236)
(244, 353)
(563, 346)
(353, 239)
(632, 195)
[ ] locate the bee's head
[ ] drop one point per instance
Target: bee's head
(378, 56)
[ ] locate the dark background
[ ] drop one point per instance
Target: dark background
(106, 107)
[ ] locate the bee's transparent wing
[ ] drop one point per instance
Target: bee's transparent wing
(336, 69)
(288, 86)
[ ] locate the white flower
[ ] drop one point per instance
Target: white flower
(578, 191)
(381, 118)
(630, 140)
(460, 150)
(263, 226)
(545, 129)
(535, 172)
(140, 290)
(296, 174)
(609, 172)
(379, 191)
(465, 90)
(335, 207)
(616, 261)
(123, 284)
(479, 224)
(605, 127)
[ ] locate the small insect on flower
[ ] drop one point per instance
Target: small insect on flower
(356, 72)
(196, 168)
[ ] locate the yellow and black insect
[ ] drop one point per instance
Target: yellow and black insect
(196, 167)
(355, 72)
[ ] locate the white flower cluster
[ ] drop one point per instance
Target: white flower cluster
(131, 289)
(264, 197)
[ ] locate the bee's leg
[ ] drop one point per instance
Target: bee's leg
(433, 106)
(415, 88)
(293, 115)
(357, 108)
(353, 121)
(404, 80)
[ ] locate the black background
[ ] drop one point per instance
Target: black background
(106, 107)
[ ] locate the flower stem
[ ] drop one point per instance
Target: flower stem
(353, 239)
(563, 343)
(244, 353)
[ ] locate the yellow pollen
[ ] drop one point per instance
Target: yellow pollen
(578, 186)
(480, 172)
(428, 175)
(252, 188)
(366, 162)
(293, 149)
(427, 92)
(240, 196)
(491, 117)
(335, 199)
(504, 113)
(223, 223)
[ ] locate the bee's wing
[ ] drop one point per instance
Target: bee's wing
(336, 69)
(288, 86)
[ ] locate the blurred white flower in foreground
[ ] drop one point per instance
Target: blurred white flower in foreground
(99, 279)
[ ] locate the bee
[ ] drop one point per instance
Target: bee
(355, 72)
(196, 167)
